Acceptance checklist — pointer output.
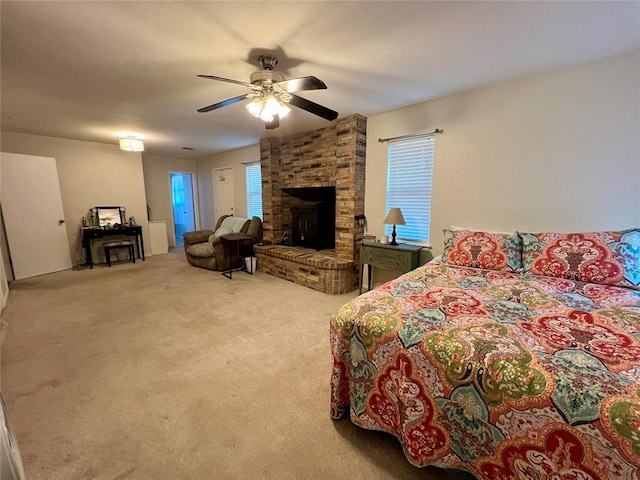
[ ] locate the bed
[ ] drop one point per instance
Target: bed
(517, 356)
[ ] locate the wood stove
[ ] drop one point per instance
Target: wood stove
(314, 226)
(313, 217)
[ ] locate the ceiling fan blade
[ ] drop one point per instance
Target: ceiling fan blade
(228, 80)
(229, 101)
(302, 83)
(313, 107)
(275, 123)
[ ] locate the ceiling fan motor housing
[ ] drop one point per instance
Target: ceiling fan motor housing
(267, 75)
(262, 77)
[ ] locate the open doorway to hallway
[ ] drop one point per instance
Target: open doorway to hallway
(183, 199)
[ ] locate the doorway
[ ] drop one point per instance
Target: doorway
(183, 201)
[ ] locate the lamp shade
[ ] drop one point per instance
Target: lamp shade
(394, 217)
(131, 145)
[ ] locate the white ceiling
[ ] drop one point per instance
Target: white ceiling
(88, 70)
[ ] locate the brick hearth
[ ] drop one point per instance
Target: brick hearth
(318, 270)
(333, 156)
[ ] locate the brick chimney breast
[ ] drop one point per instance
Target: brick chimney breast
(333, 156)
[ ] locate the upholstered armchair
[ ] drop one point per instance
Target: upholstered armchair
(204, 248)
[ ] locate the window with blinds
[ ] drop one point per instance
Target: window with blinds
(254, 190)
(409, 175)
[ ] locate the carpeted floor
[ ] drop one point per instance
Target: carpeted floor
(160, 370)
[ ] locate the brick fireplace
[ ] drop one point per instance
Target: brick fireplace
(333, 156)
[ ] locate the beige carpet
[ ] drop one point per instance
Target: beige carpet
(160, 370)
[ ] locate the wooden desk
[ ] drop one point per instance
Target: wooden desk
(91, 233)
(401, 257)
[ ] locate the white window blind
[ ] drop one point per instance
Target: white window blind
(254, 189)
(409, 181)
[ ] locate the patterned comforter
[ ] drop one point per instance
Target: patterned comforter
(506, 376)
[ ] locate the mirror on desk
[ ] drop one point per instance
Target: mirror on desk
(110, 216)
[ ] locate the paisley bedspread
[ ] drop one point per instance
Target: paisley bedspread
(504, 375)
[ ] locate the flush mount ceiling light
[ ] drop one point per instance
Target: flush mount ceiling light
(131, 143)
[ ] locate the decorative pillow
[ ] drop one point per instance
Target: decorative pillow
(453, 227)
(478, 249)
(608, 258)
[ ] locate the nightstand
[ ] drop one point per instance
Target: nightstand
(401, 257)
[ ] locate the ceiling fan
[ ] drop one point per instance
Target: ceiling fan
(272, 93)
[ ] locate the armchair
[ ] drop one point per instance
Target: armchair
(204, 249)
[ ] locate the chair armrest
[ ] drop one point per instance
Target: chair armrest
(199, 236)
(215, 240)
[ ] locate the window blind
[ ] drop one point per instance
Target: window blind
(254, 190)
(409, 183)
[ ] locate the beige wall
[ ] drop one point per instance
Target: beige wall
(235, 160)
(158, 186)
(90, 174)
(559, 151)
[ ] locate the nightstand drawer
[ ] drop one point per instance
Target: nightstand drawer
(392, 257)
(386, 258)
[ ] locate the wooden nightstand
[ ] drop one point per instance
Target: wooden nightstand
(401, 257)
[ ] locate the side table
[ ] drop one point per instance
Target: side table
(401, 257)
(239, 241)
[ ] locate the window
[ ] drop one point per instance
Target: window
(254, 190)
(410, 168)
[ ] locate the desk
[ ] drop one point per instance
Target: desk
(231, 239)
(401, 257)
(92, 233)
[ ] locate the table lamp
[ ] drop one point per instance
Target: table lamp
(394, 217)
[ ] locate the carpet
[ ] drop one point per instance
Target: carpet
(160, 370)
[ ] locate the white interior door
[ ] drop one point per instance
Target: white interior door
(222, 192)
(33, 215)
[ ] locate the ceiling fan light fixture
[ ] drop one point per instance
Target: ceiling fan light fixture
(267, 107)
(255, 107)
(273, 106)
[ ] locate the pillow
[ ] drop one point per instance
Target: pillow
(453, 227)
(607, 258)
(478, 249)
